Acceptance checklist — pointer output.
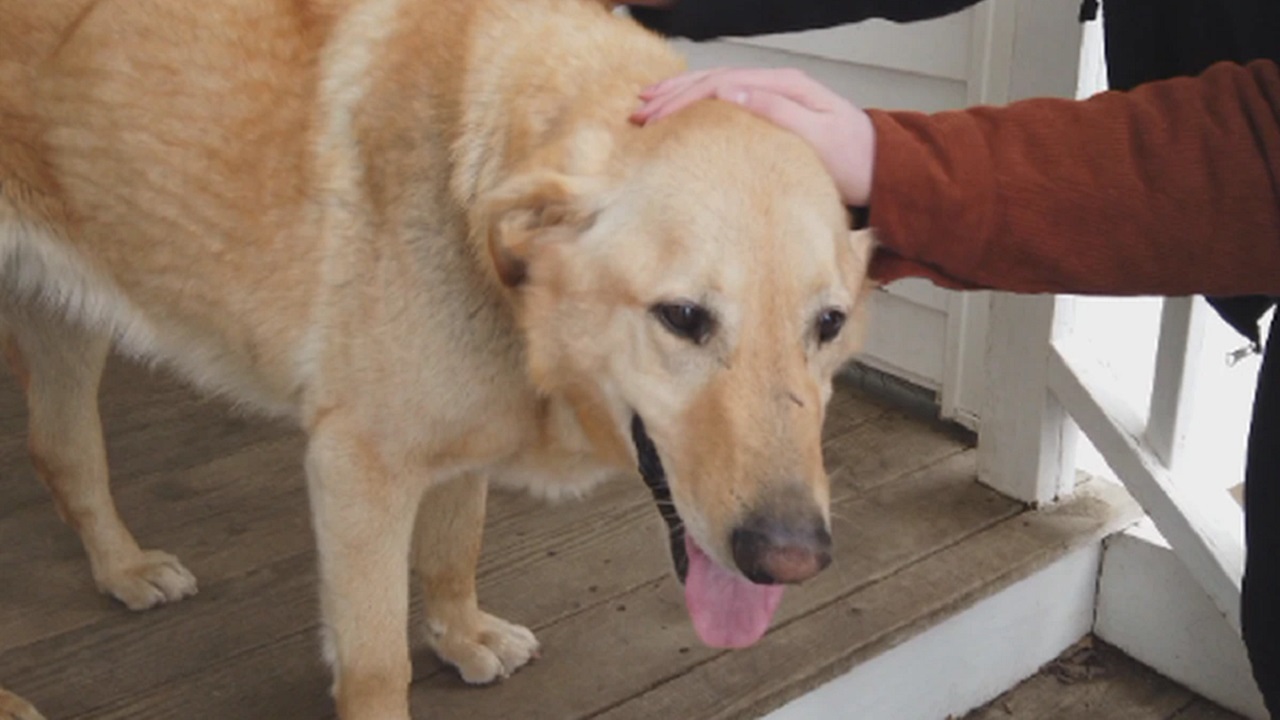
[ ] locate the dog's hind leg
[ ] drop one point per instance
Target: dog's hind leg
(447, 539)
(60, 366)
(13, 707)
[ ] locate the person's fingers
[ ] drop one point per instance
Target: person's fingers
(669, 96)
(675, 97)
(774, 107)
(667, 104)
(792, 84)
(688, 90)
(675, 83)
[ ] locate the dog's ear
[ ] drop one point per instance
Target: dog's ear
(530, 211)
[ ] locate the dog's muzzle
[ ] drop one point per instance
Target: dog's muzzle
(656, 478)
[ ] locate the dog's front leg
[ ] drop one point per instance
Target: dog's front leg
(484, 648)
(363, 508)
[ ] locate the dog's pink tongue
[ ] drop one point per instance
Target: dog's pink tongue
(727, 610)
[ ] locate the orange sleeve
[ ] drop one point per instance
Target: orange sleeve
(1172, 188)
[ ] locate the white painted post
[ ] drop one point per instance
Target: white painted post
(1172, 390)
(964, 374)
(1203, 528)
(1026, 442)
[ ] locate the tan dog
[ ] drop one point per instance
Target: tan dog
(426, 231)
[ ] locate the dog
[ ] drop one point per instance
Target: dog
(425, 231)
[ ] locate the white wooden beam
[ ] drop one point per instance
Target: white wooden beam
(1172, 390)
(1026, 442)
(1204, 528)
(1150, 607)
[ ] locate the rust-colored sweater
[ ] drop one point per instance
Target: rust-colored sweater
(1170, 189)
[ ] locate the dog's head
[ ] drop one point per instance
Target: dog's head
(695, 286)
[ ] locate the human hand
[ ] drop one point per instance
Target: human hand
(841, 133)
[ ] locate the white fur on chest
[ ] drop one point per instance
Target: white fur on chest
(562, 482)
(563, 464)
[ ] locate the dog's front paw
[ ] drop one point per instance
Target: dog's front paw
(489, 649)
(13, 707)
(152, 578)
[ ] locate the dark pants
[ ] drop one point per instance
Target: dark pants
(1261, 605)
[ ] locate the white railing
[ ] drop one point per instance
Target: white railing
(1049, 383)
(1045, 382)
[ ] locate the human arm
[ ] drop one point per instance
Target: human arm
(1172, 188)
(706, 19)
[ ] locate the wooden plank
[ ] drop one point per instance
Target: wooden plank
(222, 487)
(1201, 709)
(934, 509)
(878, 452)
(1203, 528)
(581, 628)
(1095, 681)
(843, 632)
(226, 495)
(208, 518)
(136, 653)
(1091, 681)
(289, 682)
(850, 407)
(168, 427)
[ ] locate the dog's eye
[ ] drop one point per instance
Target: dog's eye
(685, 319)
(829, 324)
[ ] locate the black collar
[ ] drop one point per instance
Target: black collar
(656, 478)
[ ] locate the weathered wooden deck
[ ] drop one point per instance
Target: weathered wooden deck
(916, 537)
(1093, 681)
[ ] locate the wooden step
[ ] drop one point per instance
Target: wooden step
(917, 540)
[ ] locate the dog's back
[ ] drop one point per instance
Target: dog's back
(29, 33)
(158, 141)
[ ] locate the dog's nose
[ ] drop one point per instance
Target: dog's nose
(772, 552)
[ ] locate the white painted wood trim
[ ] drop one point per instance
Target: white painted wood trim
(930, 48)
(1026, 446)
(1093, 61)
(1026, 442)
(1047, 41)
(1150, 607)
(971, 657)
(964, 373)
(1204, 528)
(1172, 390)
(991, 52)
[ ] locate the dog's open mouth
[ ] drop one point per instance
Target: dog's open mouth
(727, 610)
